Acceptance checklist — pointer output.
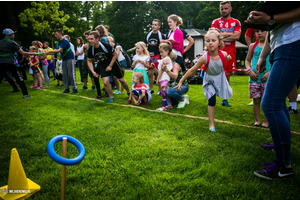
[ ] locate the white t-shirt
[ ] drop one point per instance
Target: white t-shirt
(80, 57)
(283, 34)
(165, 75)
(120, 56)
(72, 48)
(139, 65)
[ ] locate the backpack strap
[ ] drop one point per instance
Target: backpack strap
(102, 46)
(58, 54)
(207, 61)
(222, 57)
(252, 50)
(224, 61)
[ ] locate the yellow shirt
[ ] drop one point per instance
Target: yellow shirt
(49, 57)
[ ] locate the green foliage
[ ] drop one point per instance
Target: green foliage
(44, 17)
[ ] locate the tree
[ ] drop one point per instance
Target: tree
(45, 17)
(74, 10)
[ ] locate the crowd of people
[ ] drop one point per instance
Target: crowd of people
(272, 63)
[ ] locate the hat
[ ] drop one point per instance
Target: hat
(8, 31)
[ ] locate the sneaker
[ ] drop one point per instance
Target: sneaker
(93, 88)
(57, 85)
(161, 109)
(186, 98)
(225, 103)
(40, 87)
(251, 103)
(128, 101)
(62, 86)
(33, 86)
(117, 92)
(169, 107)
(269, 146)
(298, 97)
(75, 91)
(152, 91)
(66, 91)
(145, 104)
(84, 88)
(26, 96)
(212, 129)
(106, 95)
(48, 86)
(181, 104)
(292, 111)
(158, 93)
(273, 171)
(110, 100)
(98, 96)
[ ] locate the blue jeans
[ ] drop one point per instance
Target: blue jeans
(79, 67)
(283, 77)
(178, 60)
(175, 96)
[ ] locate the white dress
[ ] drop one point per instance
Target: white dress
(215, 81)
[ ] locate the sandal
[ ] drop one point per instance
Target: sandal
(256, 125)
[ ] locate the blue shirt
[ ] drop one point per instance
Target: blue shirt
(65, 45)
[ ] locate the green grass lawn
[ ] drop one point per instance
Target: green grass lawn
(136, 152)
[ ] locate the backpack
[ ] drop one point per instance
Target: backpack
(127, 58)
(224, 61)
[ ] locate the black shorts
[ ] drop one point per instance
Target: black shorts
(59, 77)
(116, 71)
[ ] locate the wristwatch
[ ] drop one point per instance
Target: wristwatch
(272, 21)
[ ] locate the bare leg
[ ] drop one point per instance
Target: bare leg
(107, 87)
(211, 116)
(85, 82)
(256, 110)
(124, 84)
(122, 88)
(150, 77)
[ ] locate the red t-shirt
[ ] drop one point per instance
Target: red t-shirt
(142, 86)
(227, 26)
(33, 60)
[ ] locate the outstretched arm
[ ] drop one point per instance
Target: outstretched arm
(191, 71)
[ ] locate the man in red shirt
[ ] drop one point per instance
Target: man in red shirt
(231, 31)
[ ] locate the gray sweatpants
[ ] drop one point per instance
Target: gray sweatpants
(45, 72)
(69, 74)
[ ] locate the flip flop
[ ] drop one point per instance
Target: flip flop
(256, 125)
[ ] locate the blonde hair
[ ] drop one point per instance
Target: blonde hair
(144, 47)
(67, 37)
(110, 40)
(140, 76)
(176, 19)
(33, 48)
(218, 34)
(173, 55)
(166, 47)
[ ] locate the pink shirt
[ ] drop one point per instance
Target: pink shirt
(178, 37)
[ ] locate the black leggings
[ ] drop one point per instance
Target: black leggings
(13, 70)
(212, 101)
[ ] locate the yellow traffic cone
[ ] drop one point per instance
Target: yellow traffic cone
(19, 186)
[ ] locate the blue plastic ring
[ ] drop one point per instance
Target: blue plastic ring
(61, 160)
